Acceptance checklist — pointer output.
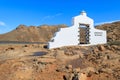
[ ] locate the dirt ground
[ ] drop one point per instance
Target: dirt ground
(34, 62)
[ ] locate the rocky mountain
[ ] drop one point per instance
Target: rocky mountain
(31, 34)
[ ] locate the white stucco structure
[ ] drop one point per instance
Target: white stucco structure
(71, 35)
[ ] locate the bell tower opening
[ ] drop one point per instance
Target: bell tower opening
(84, 34)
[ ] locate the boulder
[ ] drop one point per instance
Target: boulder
(68, 76)
(76, 70)
(82, 76)
(106, 70)
(69, 67)
(88, 70)
(101, 48)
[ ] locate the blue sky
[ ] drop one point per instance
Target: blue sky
(52, 12)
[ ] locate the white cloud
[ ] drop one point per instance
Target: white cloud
(2, 23)
(51, 16)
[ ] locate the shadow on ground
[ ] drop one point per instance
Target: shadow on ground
(39, 53)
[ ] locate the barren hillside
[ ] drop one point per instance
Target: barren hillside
(31, 34)
(44, 33)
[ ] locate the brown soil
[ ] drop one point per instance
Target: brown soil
(23, 62)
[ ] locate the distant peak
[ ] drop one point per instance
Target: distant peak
(21, 27)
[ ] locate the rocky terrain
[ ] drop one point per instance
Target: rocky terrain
(35, 62)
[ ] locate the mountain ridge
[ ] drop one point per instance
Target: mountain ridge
(31, 34)
(44, 33)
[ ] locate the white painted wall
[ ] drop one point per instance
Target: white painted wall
(65, 37)
(97, 38)
(69, 36)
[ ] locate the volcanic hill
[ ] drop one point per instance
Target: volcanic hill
(31, 34)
